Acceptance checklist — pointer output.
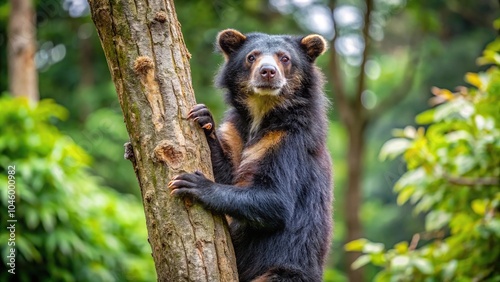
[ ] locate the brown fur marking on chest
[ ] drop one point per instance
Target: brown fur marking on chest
(252, 155)
(231, 142)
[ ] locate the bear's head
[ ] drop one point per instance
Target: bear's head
(268, 65)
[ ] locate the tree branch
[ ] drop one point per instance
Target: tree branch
(362, 75)
(414, 242)
(469, 181)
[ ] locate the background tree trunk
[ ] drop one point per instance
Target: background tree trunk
(148, 61)
(23, 77)
(355, 158)
(356, 119)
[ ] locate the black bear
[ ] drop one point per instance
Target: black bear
(272, 169)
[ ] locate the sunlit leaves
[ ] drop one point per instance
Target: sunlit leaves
(490, 54)
(401, 248)
(479, 206)
(393, 148)
(436, 220)
(455, 110)
(356, 245)
(475, 80)
(426, 117)
(373, 252)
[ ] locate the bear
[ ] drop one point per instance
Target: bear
(272, 170)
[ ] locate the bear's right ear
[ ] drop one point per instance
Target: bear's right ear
(229, 41)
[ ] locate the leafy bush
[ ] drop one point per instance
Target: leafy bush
(453, 175)
(68, 227)
(102, 137)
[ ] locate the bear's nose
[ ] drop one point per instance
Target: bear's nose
(267, 71)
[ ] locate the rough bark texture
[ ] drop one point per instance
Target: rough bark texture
(148, 61)
(23, 77)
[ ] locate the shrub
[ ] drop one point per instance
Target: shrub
(453, 176)
(69, 228)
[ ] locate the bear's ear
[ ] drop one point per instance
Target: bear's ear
(314, 45)
(230, 40)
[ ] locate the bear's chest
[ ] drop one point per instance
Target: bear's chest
(246, 156)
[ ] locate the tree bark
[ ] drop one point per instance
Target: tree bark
(23, 77)
(149, 64)
(355, 158)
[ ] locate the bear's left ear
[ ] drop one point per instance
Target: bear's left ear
(314, 45)
(229, 41)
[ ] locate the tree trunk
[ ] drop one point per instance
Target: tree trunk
(355, 156)
(355, 119)
(23, 78)
(149, 64)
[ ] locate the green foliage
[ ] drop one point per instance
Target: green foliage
(68, 227)
(453, 176)
(80, 81)
(102, 136)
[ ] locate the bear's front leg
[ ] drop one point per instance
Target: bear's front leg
(222, 168)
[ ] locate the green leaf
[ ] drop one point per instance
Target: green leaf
(410, 132)
(494, 226)
(48, 220)
(423, 265)
(394, 148)
(411, 178)
(479, 206)
(436, 219)
(465, 163)
(449, 270)
(459, 135)
(473, 79)
(400, 262)
(383, 276)
(51, 242)
(484, 123)
(361, 261)
(371, 248)
(426, 117)
(378, 259)
(401, 247)
(356, 245)
(32, 218)
(405, 194)
(457, 109)
(27, 248)
(496, 24)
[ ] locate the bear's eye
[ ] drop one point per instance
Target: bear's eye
(251, 58)
(285, 59)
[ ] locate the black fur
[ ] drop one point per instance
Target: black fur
(279, 200)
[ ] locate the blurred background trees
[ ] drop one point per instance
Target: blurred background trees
(453, 177)
(385, 73)
(23, 76)
(70, 226)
